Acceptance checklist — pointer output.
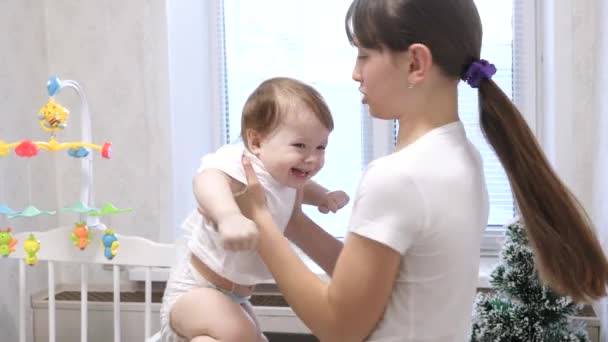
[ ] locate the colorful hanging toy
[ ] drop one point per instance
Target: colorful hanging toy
(81, 235)
(7, 242)
(110, 243)
(31, 247)
(53, 117)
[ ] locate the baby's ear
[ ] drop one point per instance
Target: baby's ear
(254, 140)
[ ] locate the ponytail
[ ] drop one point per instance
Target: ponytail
(568, 255)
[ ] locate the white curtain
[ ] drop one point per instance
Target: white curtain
(573, 120)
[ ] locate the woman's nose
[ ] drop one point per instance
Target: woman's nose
(356, 74)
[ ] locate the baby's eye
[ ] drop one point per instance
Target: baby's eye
(298, 145)
(321, 147)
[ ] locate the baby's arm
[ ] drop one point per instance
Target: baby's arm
(214, 192)
(318, 244)
(318, 196)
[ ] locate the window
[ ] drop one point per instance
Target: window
(305, 39)
(497, 48)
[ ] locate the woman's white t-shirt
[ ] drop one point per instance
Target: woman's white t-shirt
(428, 202)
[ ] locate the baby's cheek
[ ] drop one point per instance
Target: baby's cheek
(321, 162)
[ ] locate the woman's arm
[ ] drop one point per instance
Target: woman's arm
(319, 245)
(346, 309)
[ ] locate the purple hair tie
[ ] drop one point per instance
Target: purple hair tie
(477, 71)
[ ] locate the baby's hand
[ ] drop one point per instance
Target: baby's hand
(238, 233)
(333, 201)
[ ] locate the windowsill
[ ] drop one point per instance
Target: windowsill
(486, 266)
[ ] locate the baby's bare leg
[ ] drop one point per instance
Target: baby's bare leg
(206, 312)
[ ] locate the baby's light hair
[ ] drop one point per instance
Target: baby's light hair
(267, 104)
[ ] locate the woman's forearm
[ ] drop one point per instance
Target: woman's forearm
(319, 245)
(307, 294)
(312, 299)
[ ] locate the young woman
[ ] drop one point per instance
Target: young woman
(409, 265)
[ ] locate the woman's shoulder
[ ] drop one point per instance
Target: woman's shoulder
(386, 179)
(393, 167)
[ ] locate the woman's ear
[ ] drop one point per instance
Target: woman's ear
(420, 62)
(254, 140)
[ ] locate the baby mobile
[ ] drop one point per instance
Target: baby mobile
(53, 118)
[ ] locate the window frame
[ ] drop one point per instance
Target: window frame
(527, 56)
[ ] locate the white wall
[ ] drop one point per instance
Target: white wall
(118, 51)
(23, 72)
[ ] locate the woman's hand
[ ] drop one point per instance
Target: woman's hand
(253, 201)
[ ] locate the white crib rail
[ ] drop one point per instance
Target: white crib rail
(56, 247)
(22, 292)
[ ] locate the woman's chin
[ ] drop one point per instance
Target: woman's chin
(374, 113)
(377, 114)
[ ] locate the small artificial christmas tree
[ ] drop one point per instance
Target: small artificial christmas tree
(521, 309)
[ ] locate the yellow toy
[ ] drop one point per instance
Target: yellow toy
(52, 116)
(31, 247)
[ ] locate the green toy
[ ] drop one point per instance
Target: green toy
(7, 242)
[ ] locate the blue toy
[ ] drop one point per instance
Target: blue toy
(110, 243)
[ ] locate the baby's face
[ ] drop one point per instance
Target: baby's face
(295, 150)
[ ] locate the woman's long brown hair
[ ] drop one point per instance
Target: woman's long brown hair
(568, 255)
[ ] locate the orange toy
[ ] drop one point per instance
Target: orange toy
(81, 236)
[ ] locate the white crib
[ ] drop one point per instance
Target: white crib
(56, 247)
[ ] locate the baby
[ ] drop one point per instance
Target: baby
(285, 128)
